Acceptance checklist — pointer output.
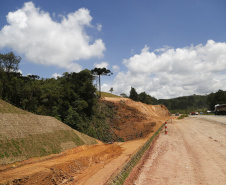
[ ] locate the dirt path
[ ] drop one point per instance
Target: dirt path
(193, 152)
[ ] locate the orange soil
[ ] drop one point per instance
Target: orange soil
(88, 164)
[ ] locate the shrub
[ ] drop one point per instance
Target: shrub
(183, 116)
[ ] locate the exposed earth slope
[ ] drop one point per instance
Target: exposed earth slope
(133, 120)
(97, 163)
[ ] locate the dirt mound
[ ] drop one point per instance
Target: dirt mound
(132, 119)
(24, 135)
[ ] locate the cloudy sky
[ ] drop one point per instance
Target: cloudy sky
(167, 48)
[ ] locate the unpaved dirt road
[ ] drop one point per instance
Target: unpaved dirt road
(193, 152)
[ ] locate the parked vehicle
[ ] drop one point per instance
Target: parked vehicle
(220, 109)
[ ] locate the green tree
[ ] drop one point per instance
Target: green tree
(144, 98)
(133, 94)
(216, 98)
(101, 72)
(111, 90)
(9, 62)
(123, 95)
(74, 120)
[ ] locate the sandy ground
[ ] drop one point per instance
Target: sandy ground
(193, 152)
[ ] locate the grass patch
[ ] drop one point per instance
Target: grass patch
(8, 108)
(183, 116)
(6, 154)
(1, 156)
(105, 94)
(37, 145)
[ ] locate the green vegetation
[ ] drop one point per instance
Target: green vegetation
(183, 116)
(105, 94)
(185, 104)
(70, 98)
(194, 103)
(142, 97)
(38, 145)
(216, 98)
(101, 72)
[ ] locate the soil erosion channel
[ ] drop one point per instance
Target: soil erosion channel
(85, 164)
(193, 152)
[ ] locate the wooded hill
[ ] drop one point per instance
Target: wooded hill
(185, 104)
(70, 98)
(200, 103)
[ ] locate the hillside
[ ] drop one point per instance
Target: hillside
(24, 135)
(95, 164)
(133, 120)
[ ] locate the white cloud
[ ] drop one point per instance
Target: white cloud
(116, 68)
(32, 32)
(19, 71)
(172, 72)
(101, 65)
(99, 27)
(55, 75)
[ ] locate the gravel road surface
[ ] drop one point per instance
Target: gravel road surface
(193, 152)
(217, 119)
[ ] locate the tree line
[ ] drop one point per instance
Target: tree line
(185, 104)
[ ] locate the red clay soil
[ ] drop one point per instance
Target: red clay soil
(135, 120)
(90, 164)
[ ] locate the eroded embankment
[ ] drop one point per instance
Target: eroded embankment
(134, 120)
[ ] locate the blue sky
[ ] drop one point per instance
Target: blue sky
(167, 48)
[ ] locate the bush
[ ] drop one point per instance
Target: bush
(183, 116)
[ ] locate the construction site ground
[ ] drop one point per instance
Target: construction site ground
(192, 152)
(82, 165)
(88, 164)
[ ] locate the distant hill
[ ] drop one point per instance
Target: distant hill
(24, 135)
